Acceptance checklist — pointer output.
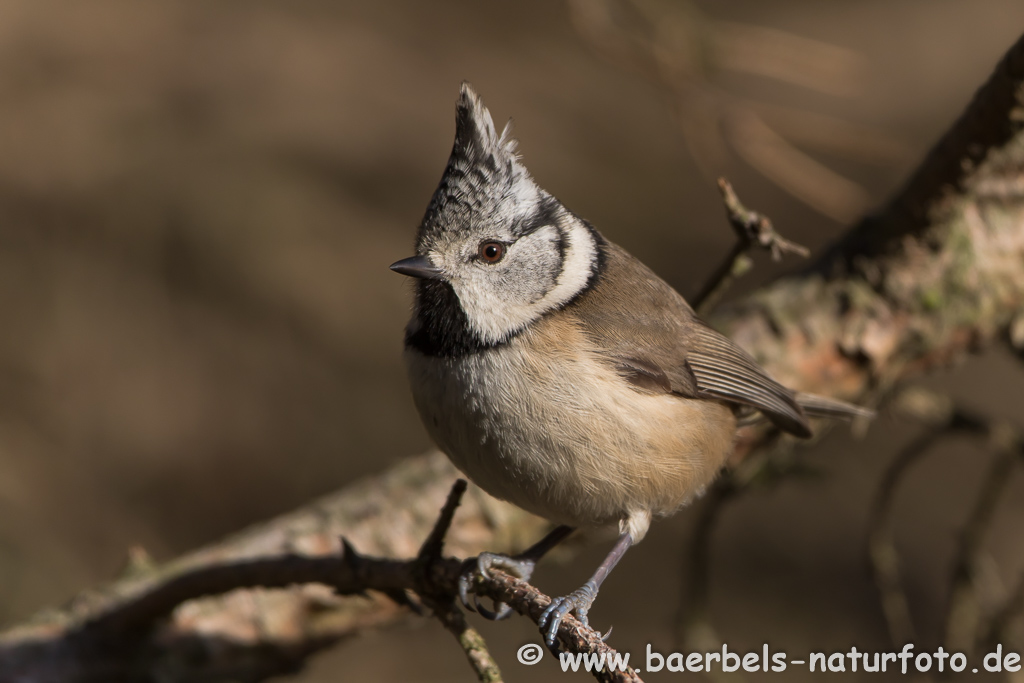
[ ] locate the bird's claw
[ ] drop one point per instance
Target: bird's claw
(520, 568)
(579, 601)
(503, 610)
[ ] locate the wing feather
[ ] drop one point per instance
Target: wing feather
(653, 339)
(725, 371)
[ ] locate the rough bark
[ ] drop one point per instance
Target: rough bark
(935, 274)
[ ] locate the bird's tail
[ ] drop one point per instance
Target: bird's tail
(822, 406)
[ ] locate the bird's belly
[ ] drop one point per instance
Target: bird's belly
(564, 437)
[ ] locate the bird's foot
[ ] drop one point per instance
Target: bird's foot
(579, 601)
(520, 568)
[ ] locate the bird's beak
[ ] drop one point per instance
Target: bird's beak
(417, 266)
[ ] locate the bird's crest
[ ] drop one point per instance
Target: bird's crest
(484, 179)
(475, 135)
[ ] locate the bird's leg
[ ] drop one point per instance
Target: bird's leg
(580, 600)
(520, 566)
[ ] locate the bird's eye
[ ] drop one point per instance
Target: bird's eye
(491, 252)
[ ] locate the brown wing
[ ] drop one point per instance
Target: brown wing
(653, 338)
(725, 371)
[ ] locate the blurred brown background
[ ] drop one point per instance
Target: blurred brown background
(198, 204)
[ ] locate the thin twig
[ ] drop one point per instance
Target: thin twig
(883, 560)
(433, 577)
(433, 545)
(693, 628)
(471, 641)
(963, 614)
(443, 604)
(735, 264)
(692, 624)
(752, 229)
(766, 467)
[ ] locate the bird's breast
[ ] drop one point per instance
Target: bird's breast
(545, 422)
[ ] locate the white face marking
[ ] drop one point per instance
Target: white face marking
(503, 298)
(486, 194)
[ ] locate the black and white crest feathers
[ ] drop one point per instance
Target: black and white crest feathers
(484, 180)
(475, 136)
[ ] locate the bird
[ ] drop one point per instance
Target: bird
(561, 374)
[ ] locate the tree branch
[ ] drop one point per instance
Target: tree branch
(942, 419)
(752, 229)
(110, 644)
(934, 275)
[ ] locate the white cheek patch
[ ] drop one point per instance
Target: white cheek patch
(580, 257)
(494, 316)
